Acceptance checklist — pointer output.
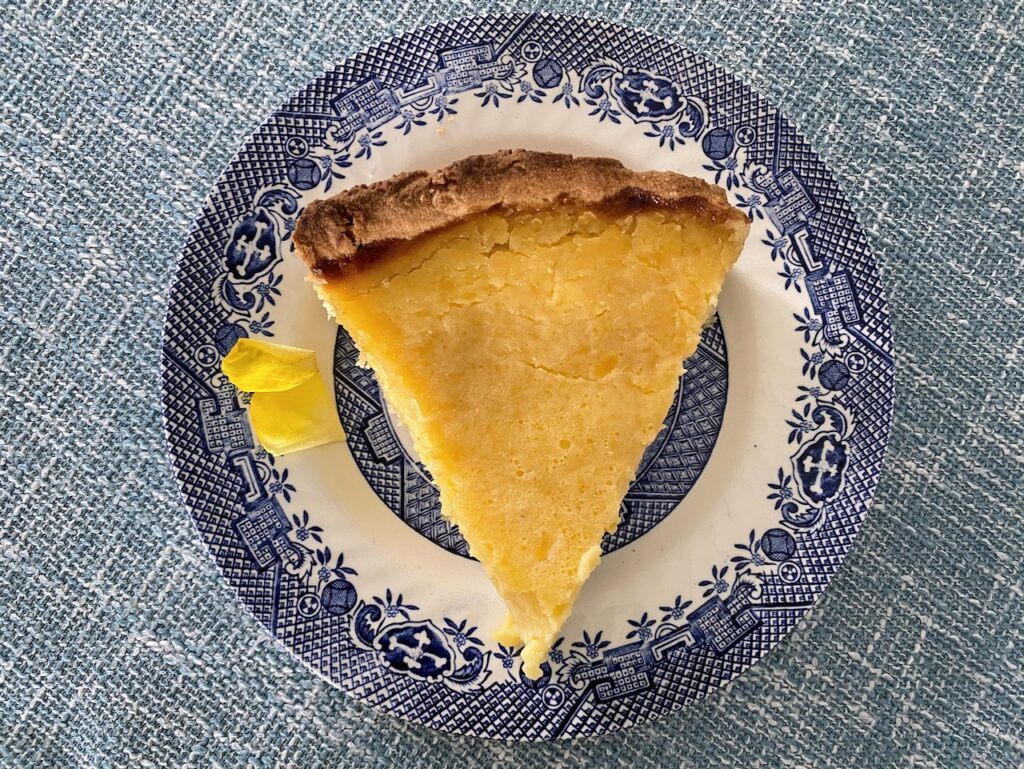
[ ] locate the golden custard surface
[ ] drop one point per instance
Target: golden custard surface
(533, 357)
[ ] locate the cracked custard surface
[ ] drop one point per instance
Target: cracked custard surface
(533, 356)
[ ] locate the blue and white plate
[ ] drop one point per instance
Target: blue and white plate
(742, 510)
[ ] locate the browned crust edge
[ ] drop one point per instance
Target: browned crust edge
(358, 226)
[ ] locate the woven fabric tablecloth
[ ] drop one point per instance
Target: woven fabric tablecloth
(120, 645)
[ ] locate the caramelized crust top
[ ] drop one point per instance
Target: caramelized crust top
(356, 227)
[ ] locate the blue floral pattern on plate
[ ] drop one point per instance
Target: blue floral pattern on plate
(437, 668)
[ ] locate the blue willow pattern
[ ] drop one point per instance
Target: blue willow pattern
(749, 602)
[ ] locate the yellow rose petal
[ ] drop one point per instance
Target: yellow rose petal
(295, 419)
(255, 366)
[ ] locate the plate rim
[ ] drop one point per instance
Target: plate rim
(179, 468)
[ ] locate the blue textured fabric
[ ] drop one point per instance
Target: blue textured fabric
(119, 644)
